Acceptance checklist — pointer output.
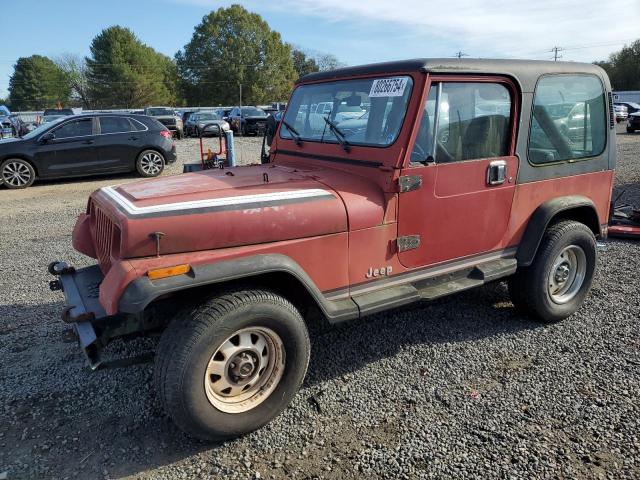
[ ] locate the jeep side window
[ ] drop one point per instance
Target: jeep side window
(472, 122)
(569, 120)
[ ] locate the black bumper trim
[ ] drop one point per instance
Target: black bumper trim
(81, 290)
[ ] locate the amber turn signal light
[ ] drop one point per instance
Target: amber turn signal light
(159, 273)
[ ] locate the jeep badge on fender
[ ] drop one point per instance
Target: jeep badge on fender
(430, 176)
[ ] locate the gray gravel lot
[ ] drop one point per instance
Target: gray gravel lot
(460, 388)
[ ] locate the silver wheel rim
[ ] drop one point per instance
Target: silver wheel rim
(151, 163)
(567, 274)
(244, 370)
(16, 174)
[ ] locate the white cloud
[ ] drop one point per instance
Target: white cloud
(516, 28)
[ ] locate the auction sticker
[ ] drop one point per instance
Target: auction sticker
(388, 87)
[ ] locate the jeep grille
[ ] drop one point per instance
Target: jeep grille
(106, 236)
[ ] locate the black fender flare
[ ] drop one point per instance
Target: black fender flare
(142, 291)
(575, 207)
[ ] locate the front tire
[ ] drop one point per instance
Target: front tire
(555, 285)
(150, 163)
(631, 130)
(16, 173)
(230, 365)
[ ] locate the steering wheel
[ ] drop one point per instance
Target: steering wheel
(442, 152)
(418, 155)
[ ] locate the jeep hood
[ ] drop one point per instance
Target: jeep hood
(207, 210)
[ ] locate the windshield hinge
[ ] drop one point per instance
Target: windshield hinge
(407, 183)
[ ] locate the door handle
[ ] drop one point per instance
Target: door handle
(88, 142)
(133, 138)
(497, 172)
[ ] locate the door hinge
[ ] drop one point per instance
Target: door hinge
(408, 242)
(407, 183)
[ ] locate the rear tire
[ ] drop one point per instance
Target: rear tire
(555, 285)
(258, 343)
(16, 173)
(150, 163)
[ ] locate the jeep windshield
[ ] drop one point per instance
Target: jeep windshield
(366, 112)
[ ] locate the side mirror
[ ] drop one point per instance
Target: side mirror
(270, 130)
(47, 137)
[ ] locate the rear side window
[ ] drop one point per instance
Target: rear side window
(568, 120)
(77, 128)
(139, 126)
(114, 125)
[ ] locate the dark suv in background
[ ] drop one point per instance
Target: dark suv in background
(168, 117)
(87, 144)
(248, 120)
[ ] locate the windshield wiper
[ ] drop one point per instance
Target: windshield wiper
(293, 131)
(338, 133)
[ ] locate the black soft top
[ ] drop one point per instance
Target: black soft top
(524, 72)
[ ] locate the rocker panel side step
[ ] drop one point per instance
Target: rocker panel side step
(434, 287)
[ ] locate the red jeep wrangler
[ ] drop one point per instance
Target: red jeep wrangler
(385, 184)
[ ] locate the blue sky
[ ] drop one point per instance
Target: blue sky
(356, 31)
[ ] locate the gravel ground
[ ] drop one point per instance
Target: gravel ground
(460, 388)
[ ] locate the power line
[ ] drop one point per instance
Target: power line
(555, 51)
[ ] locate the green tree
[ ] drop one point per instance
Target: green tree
(623, 67)
(123, 72)
(37, 83)
(302, 63)
(233, 49)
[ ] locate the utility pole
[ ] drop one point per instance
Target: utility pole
(460, 54)
(555, 51)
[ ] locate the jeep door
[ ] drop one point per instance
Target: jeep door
(71, 151)
(464, 154)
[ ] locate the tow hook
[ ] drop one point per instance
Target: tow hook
(56, 269)
(59, 268)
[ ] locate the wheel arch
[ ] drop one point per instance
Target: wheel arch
(275, 272)
(573, 207)
(150, 147)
